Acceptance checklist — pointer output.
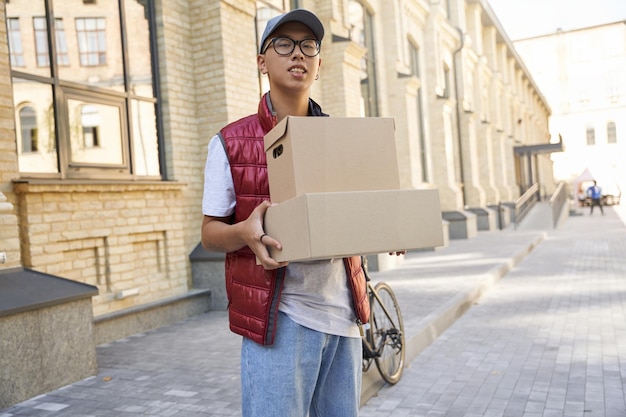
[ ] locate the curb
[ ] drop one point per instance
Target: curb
(435, 323)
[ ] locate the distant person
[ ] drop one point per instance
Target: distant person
(595, 193)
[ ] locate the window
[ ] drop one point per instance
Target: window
(15, 42)
(591, 136)
(446, 81)
(362, 23)
(611, 133)
(264, 12)
(415, 70)
(91, 33)
(92, 112)
(41, 42)
(90, 121)
(613, 80)
(28, 129)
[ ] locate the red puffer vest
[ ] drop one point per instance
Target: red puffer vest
(253, 293)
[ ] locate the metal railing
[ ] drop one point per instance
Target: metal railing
(557, 201)
(525, 203)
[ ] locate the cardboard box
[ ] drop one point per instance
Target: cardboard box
(329, 154)
(328, 225)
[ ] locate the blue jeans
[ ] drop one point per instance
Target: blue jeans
(304, 372)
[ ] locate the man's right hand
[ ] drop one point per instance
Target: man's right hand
(221, 236)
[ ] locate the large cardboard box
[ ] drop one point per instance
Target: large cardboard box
(328, 225)
(328, 154)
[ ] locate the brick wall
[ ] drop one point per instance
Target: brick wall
(116, 237)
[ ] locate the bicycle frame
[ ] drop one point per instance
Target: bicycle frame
(369, 350)
(383, 338)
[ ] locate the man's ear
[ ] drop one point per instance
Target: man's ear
(319, 65)
(260, 62)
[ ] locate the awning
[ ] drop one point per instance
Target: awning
(541, 148)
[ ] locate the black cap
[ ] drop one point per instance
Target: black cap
(298, 15)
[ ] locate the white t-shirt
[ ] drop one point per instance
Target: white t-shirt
(316, 293)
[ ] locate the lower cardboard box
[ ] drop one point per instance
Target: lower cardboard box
(339, 224)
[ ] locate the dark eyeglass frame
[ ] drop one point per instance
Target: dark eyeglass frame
(294, 42)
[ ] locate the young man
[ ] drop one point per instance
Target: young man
(301, 348)
(595, 193)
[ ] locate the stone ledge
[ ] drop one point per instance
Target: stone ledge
(23, 290)
(119, 324)
(46, 328)
(23, 186)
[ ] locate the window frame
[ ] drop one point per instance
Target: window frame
(75, 169)
(62, 89)
(85, 47)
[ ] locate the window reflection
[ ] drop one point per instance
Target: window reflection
(35, 127)
(139, 48)
(99, 91)
(90, 120)
(92, 48)
(41, 42)
(15, 42)
(29, 130)
(95, 133)
(146, 149)
(94, 42)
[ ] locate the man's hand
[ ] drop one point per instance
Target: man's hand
(219, 235)
(258, 240)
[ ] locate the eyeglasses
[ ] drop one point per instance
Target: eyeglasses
(286, 46)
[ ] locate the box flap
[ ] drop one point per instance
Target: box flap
(331, 154)
(276, 133)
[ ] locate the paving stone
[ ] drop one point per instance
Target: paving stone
(533, 325)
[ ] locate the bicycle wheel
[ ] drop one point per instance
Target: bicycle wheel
(387, 333)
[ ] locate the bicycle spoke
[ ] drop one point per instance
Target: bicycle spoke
(387, 333)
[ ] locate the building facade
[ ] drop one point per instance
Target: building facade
(581, 73)
(108, 107)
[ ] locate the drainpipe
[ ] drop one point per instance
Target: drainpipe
(458, 112)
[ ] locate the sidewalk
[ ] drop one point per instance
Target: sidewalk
(191, 368)
(548, 340)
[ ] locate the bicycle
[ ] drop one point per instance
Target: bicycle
(383, 336)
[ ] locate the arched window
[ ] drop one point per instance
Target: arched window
(28, 129)
(591, 136)
(611, 133)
